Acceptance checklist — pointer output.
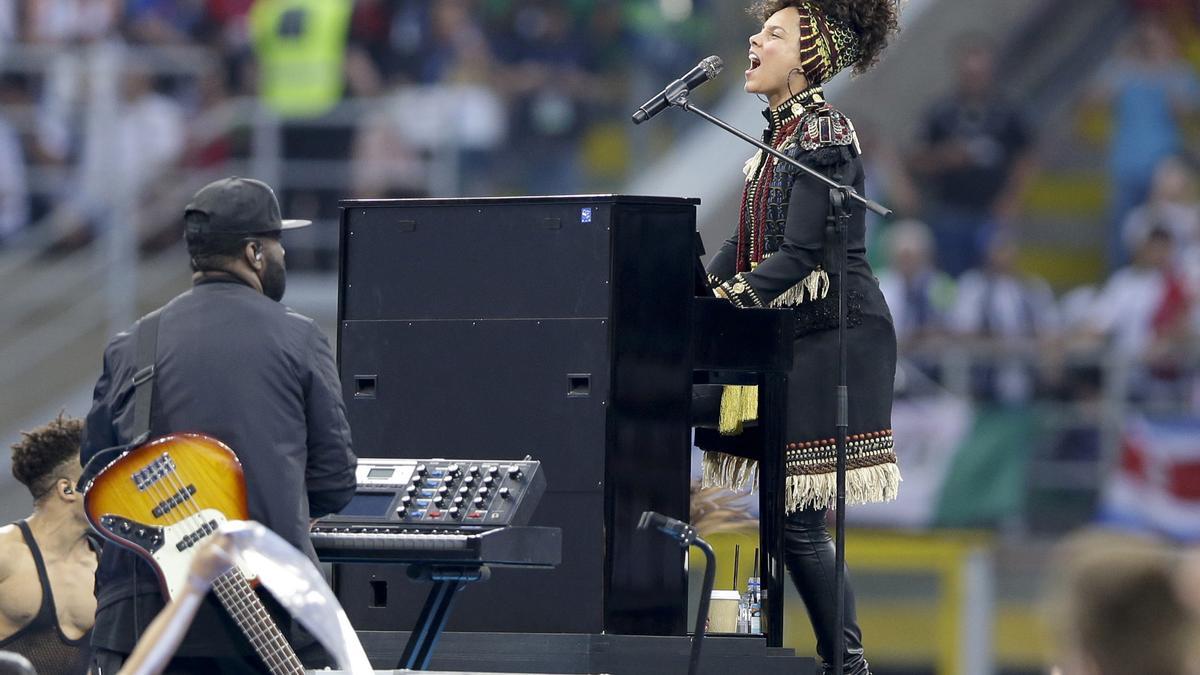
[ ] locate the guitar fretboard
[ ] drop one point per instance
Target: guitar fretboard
(244, 605)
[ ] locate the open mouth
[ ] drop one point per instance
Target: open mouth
(755, 62)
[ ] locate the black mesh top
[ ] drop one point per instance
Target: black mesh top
(42, 640)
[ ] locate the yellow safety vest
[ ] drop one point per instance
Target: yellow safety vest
(301, 49)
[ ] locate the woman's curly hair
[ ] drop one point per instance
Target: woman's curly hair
(873, 21)
(39, 452)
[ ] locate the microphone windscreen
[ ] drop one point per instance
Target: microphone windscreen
(713, 65)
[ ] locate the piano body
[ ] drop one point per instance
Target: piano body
(566, 329)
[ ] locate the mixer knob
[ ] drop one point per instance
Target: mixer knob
(514, 471)
(453, 469)
(401, 512)
(455, 512)
(469, 480)
(443, 490)
(459, 500)
(406, 500)
(474, 470)
(478, 501)
(412, 489)
(493, 471)
(489, 481)
(463, 490)
(439, 501)
(505, 494)
(422, 470)
(483, 492)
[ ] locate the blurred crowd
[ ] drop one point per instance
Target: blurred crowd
(105, 103)
(108, 97)
(952, 269)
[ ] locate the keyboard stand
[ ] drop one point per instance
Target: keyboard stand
(447, 581)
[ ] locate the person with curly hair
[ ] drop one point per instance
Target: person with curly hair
(47, 564)
(781, 256)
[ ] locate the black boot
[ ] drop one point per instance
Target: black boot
(811, 561)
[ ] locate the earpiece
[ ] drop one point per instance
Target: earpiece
(68, 491)
(258, 255)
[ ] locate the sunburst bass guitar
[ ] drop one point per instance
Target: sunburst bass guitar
(162, 500)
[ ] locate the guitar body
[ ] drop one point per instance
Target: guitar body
(163, 498)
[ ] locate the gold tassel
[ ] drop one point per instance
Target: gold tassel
(739, 404)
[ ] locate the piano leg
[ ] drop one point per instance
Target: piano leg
(446, 582)
(773, 418)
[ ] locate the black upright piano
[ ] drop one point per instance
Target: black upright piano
(568, 329)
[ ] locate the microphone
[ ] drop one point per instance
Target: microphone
(685, 535)
(675, 529)
(703, 72)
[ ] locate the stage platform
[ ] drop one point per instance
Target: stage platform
(572, 654)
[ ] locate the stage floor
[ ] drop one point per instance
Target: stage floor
(577, 654)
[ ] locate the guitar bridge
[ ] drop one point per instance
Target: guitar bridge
(154, 472)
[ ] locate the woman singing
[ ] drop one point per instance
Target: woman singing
(781, 256)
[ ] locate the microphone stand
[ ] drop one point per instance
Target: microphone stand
(685, 535)
(681, 100)
(842, 198)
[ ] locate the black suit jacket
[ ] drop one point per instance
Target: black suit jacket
(235, 365)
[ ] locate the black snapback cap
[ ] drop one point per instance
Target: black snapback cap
(236, 205)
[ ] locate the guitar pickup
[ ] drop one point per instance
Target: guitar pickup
(170, 503)
(192, 539)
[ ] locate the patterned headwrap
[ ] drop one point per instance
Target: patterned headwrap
(827, 46)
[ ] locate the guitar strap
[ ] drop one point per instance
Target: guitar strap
(143, 393)
(143, 379)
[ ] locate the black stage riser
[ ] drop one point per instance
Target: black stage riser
(577, 654)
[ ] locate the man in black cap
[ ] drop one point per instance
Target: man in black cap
(233, 363)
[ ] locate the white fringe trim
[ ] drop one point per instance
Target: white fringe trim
(868, 485)
(729, 471)
(813, 287)
(751, 165)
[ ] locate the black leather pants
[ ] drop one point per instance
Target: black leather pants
(809, 557)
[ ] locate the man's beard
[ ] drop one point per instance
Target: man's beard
(274, 280)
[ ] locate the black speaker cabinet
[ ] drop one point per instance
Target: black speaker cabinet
(554, 327)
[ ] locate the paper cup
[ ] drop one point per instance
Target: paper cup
(723, 612)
